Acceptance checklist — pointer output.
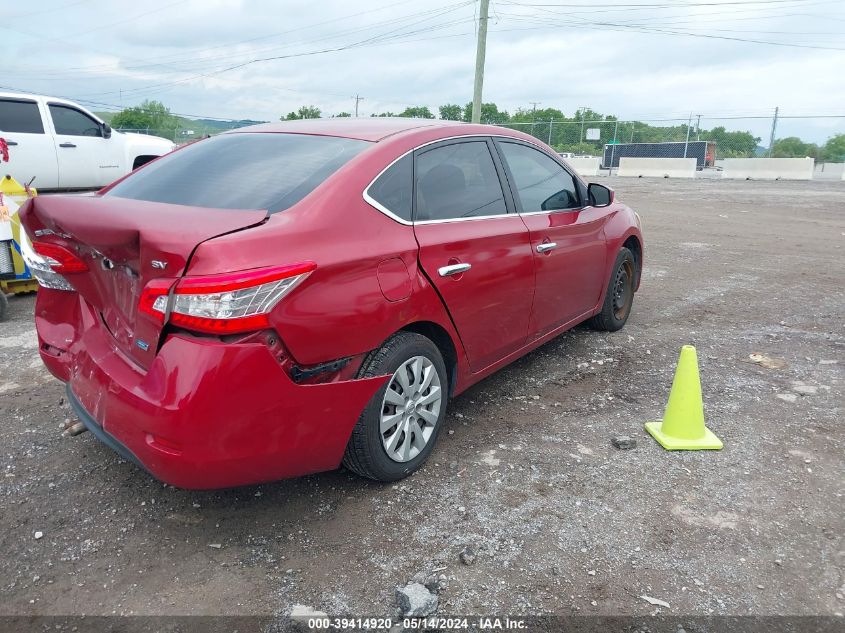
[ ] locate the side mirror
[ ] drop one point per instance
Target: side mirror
(106, 130)
(599, 195)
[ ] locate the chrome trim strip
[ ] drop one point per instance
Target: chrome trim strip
(553, 211)
(475, 217)
(382, 209)
(378, 206)
(453, 269)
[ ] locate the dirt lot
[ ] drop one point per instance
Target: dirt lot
(561, 521)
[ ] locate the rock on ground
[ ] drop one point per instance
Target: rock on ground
(415, 600)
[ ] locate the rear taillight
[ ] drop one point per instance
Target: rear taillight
(60, 259)
(223, 304)
(48, 263)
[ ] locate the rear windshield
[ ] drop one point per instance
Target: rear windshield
(241, 171)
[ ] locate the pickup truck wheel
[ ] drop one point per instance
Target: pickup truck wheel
(142, 160)
(620, 294)
(398, 428)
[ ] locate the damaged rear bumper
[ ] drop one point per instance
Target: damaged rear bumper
(207, 414)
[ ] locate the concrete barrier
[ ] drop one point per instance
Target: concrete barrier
(768, 168)
(585, 165)
(657, 167)
(829, 171)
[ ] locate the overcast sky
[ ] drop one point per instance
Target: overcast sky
(644, 59)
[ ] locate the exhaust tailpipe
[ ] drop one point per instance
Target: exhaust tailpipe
(71, 428)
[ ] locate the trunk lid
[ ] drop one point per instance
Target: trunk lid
(126, 244)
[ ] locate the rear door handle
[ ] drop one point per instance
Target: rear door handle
(11, 143)
(66, 145)
(453, 269)
(546, 246)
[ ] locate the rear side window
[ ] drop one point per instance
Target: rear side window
(241, 171)
(541, 183)
(393, 189)
(20, 116)
(458, 181)
(73, 122)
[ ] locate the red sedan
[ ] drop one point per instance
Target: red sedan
(281, 299)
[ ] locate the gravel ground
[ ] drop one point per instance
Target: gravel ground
(526, 476)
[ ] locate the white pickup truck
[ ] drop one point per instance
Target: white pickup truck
(64, 146)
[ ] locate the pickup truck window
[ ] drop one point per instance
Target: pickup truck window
(20, 116)
(244, 170)
(73, 122)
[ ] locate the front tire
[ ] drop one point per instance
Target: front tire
(399, 426)
(619, 296)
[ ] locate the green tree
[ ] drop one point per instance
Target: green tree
(305, 112)
(546, 115)
(417, 112)
(731, 144)
(490, 114)
(794, 147)
(834, 149)
(152, 115)
(342, 115)
(451, 112)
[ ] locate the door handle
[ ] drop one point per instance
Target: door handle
(546, 246)
(453, 269)
(11, 143)
(66, 145)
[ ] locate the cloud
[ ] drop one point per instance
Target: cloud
(411, 52)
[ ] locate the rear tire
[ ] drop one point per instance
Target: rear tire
(619, 297)
(4, 304)
(407, 420)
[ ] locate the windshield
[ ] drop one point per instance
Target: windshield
(241, 171)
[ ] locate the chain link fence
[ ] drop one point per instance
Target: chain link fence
(709, 139)
(179, 136)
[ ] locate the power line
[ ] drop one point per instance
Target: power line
(362, 43)
(654, 5)
(195, 56)
(617, 26)
(42, 11)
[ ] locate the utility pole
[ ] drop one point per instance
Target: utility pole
(357, 98)
(698, 128)
(534, 105)
(689, 126)
(772, 137)
(480, 52)
(613, 147)
(583, 116)
(551, 123)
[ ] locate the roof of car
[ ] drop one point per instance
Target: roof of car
(33, 97)
(365, 128)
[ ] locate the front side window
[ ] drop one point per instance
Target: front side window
(541, 183)
(73, 122)
(458, 181)
(20, 116)
(393, 189)
(246, 170)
